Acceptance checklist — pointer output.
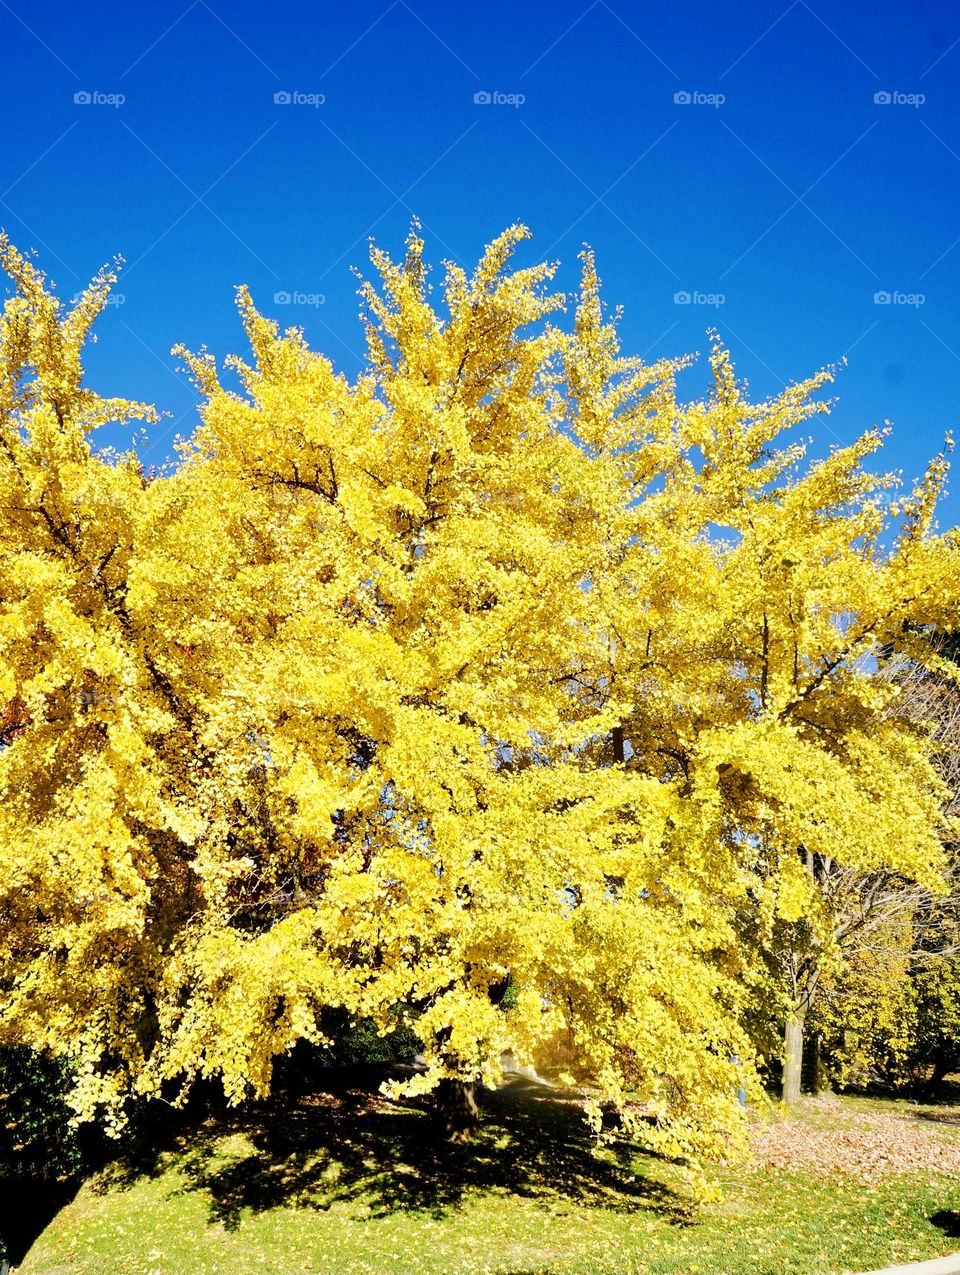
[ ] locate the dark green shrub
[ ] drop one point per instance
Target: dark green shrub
(36, 1140)
(361, 1044)
(41, 1155)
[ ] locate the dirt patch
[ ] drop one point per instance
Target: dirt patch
(829, 1140)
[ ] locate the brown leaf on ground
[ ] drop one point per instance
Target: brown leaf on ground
(823, 1138)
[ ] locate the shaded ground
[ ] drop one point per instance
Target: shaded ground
(348, 1144)
(341, 1182)
(26, 1209)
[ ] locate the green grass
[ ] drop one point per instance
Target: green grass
(338, 1184)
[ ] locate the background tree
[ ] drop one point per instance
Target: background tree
(748, 599)
(893, 1002)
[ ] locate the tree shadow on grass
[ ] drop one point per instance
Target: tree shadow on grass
(348, 1145)
(940, 1107)
(948, 1221)
(950, 1115)
(27, 1206)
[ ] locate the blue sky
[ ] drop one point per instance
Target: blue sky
(778, 164)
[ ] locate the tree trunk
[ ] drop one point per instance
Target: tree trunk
(810, 1076)
(792, 1057)
(457, 1112)
(940, 1072)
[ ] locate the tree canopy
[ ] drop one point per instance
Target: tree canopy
(498, 663)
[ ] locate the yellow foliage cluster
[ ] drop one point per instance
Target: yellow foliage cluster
(867, 1014)
(496, 661)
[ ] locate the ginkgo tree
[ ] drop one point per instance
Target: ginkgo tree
(747, 607)
(888, 996)
(497, 665)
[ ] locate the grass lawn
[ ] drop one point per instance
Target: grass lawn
(345, 1182)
